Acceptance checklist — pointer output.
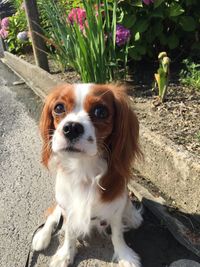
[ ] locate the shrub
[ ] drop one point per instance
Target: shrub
(161, 25)
(16, 37)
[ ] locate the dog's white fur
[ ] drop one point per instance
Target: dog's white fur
(78, 197)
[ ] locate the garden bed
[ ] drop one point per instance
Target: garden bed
(178, 118)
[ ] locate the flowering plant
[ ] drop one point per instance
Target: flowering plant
(13, 29)
(88, 39)
(161, 25)
(77, 15)
(4, 23)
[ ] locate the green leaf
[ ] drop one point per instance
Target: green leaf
(157, 3)
(137, 36)
(141, 49)
(121, 16)
(173, 41)
(129, 20)
(150, 36)
(141, 25)
(137, 3)
(175, 10)
(158, 28)
(158, 13)
(134, 54)
(187, 23)
(163, 39)
(196, 46)
(190, 2)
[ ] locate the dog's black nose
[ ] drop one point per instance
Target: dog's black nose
(73, 130)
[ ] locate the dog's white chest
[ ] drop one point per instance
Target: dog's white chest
(77, 193)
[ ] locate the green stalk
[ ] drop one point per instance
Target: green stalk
(87, 51)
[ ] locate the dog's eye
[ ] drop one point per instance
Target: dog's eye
(100, 112)
(59, 108)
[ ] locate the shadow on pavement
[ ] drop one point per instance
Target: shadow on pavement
(154, 243)
(156, 246)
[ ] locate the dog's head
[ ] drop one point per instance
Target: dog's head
(86, 119)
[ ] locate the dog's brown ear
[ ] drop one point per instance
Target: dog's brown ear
(124, 143)
(46, 128)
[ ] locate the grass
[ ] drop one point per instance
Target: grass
(190, 75)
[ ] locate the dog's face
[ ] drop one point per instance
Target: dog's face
(82, 119)
(86, 119)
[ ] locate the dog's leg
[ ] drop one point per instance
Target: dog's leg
(125, 255)
(42, 238)
(132, 217)
(65, 255)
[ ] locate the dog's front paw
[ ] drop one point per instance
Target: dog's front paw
(63, 257)
(125, 263)
(41, 240)
(127, 258)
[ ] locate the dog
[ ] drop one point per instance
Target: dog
(90, 138)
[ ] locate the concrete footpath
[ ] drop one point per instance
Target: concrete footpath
(27, 190)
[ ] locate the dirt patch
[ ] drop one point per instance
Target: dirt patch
(178, 118)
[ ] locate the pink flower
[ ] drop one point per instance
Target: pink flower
(77, 15)
(3, 33)
(5, 23)
(148, 2)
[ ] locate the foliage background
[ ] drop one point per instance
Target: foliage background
(172, 26)
(163, 25)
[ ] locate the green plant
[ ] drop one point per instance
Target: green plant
(85, 38)
(161, 25)
(190, 75)
(162, 75)
(17, 25)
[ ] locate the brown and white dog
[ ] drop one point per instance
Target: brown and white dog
(90, 134)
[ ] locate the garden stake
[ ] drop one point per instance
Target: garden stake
(162, 75)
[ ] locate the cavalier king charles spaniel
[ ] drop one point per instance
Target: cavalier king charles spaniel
(90, 137)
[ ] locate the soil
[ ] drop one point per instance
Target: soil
(178, 118)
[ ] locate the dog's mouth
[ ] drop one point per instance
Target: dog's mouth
(73, 149)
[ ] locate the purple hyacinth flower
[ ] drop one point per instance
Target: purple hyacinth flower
(122, 35)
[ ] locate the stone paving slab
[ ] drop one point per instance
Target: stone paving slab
(185, 263)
